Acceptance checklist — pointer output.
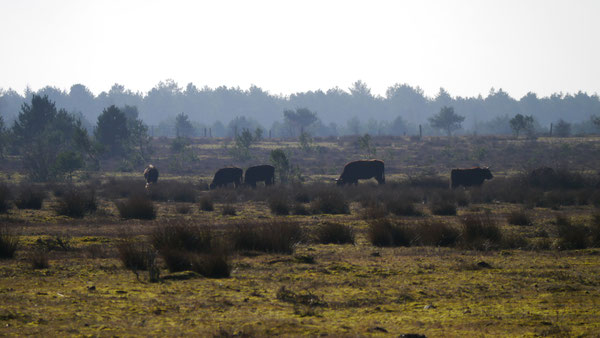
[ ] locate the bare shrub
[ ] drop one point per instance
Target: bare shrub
(213, 265)
(206, 204)
(77, 202)
(9, 243)
(571, 236)
(30, 197)
(428, 182)
(136, 207)
(335, 233)
(383, 232)
(519, 217)
(274, 236)
(480, 231)
(437, 233)
(330, 201)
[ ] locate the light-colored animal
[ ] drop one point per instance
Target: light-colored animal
(151, 175)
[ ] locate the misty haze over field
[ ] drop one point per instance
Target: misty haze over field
(340, 111)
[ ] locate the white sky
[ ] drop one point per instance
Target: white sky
(467, 47)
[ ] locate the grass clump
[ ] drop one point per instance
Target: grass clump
(402, 206)
(184, 246)
(38, 258)
(271, 236)
(480, 232)
(76, 202)
(330, 201)
(30, 197)
(206, 204)
(334, 233)
(437, 233)
(443, 204)
(383, 232)
(134, 254)
(9, 243)
(4, 197)
(571, 236)
(136, 207)
(228, 210)
(279, 205)
(595, 229)
(519, 217)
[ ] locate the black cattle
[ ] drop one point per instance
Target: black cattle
(469, 177)
(151, 175)
(260, 173)
(362, 170)
(225, 176)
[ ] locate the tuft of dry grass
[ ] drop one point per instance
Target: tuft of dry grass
(30, 197)
(335, 233)
(9, 243)
(136, 207)
(480, 231)
(77, 202)
(519, 217)
(275, 236)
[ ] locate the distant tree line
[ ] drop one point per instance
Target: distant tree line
(225, 111)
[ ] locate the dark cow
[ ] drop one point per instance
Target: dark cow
(260, 173)
(225, 176)
(362, 170)
(151, 175)
(469, 177)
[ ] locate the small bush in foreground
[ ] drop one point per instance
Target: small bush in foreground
(182, 236)
(76, 202)
(272, 237)
(334, 233)
(136, 207)
(30, 197)
(9, 243)
(519, 217)
(228, 210)
(183, 208)
(373, 210)
(480, 232)
(206, 204)
(571, 236)
(382, 232)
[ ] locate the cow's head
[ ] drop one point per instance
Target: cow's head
(340, 181)
(487, 174)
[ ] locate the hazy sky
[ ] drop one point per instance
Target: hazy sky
(466, 47)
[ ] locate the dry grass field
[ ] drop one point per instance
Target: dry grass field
(101, 257)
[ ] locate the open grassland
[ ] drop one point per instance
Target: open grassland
(512, 258)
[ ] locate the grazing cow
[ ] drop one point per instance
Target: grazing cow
(151, 175)
(225, 176)
(260, 173)
(362, 170)
(469, 177)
